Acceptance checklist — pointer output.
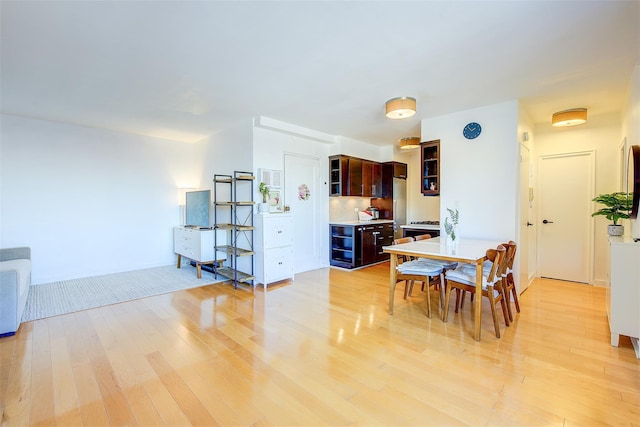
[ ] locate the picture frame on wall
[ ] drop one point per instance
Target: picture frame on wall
(275, 201)
(271, 177)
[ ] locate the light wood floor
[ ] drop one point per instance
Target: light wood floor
(320, 351)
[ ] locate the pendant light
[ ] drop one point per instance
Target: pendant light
(401, 108)
(409, 143)
(573, 117)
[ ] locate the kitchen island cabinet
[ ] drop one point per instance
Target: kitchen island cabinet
(356, 244)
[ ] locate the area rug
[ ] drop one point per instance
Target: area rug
(52, 299)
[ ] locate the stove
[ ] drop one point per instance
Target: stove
(415, 228)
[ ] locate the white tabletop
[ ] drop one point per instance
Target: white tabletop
(466, 250)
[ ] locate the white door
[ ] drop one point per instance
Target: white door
(564, 220)
(527, 229)
(302, 194)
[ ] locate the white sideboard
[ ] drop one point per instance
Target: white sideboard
(194, 244)
(273, 247)
(623, 294)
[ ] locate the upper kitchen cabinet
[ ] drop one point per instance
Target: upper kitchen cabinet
(398, 170)
(338, 175)
(351, 176)
(371, 179)
(430, 160)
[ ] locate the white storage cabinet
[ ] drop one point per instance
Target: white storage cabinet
(274, 248)
(623, 295)
(194, 244)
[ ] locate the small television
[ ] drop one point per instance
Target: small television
(197, 205)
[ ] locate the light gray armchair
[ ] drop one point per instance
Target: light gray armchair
(15, 279)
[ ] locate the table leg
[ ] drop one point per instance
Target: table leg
(393, 262)
(478, 300)
(179, 259)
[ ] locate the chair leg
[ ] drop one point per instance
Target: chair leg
(512, 285)
(507, 298)
(492, 303)
(504, 301)
(445, 311)
(408, 286)
(428, 298)
(505, 312)
(442, 290)
(458, 299)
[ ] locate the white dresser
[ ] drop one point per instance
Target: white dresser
(273, 245)
(623, 294)
(197, 245)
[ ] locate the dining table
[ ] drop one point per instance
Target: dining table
(470, 251)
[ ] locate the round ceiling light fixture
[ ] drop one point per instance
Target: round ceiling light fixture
(409, 143)
(573, 117)
(401, 108)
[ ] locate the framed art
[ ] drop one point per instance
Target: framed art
(275, 201)
(272, 178)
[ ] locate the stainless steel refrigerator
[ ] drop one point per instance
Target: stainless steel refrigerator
(393, 203)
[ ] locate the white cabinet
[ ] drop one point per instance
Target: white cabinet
(623, 295)
(274, 247)
(195, 244)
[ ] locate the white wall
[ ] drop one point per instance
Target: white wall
(419, 206)
(631, 130)
(526, 255)
(269, 148)
(479, 177)
(601, 134)
(89, 201)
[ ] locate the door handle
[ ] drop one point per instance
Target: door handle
(547, 222)
(529, 224)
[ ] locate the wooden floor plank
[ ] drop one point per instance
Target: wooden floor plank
(321, 350)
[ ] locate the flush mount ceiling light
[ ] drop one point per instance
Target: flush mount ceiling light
(575, 116)
(401, 108)
(409, 143)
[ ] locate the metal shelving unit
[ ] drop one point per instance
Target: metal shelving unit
(233, 213)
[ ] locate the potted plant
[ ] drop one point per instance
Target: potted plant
(618, 206)
(264, 190)
(451, 225)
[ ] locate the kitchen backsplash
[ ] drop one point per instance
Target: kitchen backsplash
(343, 208)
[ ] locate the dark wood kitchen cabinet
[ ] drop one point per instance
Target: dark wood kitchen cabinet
(430, 160)
(343, 245)
(338, 175)
(359, 245)
(373, 238)
(352, 176)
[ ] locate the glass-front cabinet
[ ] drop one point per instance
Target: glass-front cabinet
(430, 160)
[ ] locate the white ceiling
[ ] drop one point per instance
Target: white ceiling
(186, 69)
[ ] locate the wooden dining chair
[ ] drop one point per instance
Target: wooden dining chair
(464, 279)
(446, 265)
(411, 270)
(505, 272)
(508, 283)
(422, 237)
(416, 238)
(402, 259)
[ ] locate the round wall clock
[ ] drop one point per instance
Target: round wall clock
(472, 130)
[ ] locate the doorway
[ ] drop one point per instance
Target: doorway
(565, 234)
(526, 241)
(302, 195)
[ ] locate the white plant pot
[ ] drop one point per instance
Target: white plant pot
(263, 207)
(615, 230)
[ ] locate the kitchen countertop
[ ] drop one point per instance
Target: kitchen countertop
(422, 226)
(356, 222)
